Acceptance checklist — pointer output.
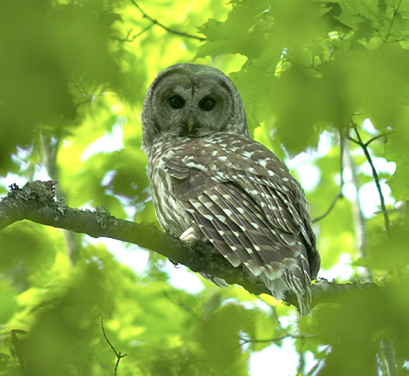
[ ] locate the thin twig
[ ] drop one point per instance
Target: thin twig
(126, 38)
(367, 143)
(353, 140)
(375, 176)
(395, 12)
(156, 22)
(274, 312)
(301, 358)
(180, 304)
(130, 39)
(331, 206)
(359, 218)
(119, 356)
(277, 318)
(277, 339)
(341, 175)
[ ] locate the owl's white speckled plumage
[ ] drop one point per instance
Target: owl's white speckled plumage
(210, 181)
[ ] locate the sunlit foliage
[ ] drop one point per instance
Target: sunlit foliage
(325, 85)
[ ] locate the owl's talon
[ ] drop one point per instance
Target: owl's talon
(189, 236)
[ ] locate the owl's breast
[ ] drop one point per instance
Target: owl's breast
(169, 210)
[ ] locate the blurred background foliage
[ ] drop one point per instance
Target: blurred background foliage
(325, 85)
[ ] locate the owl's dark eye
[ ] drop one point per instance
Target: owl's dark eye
(207, 103)
(176, 101)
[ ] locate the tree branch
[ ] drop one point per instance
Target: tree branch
(36, 202)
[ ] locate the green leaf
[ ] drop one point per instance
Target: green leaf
(27, 250)
(8, 302)
(41, 41)
(224, 350)
(236, 34)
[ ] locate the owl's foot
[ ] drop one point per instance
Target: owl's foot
(190, 236)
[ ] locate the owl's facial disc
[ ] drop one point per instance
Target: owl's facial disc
(192, 104)
(191, 100)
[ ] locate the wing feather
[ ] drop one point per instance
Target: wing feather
(231, 233)
(250, 208)
(213, 234)
(248, 246)
(234, 223)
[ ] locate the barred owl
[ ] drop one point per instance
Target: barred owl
(212, 183)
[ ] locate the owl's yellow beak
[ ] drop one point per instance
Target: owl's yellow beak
(190, 123)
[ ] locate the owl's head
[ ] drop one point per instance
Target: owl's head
(191, 100)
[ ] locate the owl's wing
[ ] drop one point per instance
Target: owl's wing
(247, 204)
